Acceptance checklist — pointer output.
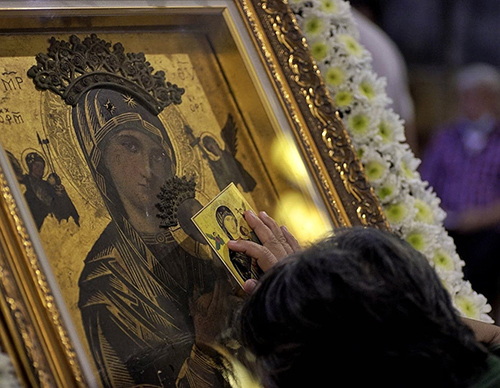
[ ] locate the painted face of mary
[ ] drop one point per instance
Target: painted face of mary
(227, 221)
(138, 167)
(129, 152)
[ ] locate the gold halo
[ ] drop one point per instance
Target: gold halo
(71, 164)
(209, 154)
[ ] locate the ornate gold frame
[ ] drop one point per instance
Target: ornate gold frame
(318, 125)
(32, 329)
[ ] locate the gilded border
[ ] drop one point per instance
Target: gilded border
(49, 374)
(322, 134)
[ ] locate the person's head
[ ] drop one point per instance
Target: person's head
(54, 179)
(138, 166)
(358, 309)
(128, 149)
(227, 221)
(36, 165)
(244, 231)
(211, 145)
(478, 86)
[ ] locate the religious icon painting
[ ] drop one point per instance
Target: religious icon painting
(222, 220)
(120, 123)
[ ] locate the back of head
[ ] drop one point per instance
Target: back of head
(359, 308)
(478, 88)
(478, 74)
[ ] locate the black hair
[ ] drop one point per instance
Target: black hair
(358, 309)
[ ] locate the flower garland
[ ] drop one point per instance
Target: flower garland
(378, 136)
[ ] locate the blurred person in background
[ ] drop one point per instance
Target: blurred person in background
(462, 163)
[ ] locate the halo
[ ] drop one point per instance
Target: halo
(210, 155)
(70, 162)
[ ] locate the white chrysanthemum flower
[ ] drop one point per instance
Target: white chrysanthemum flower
(407, 165)
(390, 128)
(349, 30)
(352, 48)
(419, 236)
(319, 47)
(387, 189)
(371, 88)
(447, 244)
(338, 22)
(314, 26)
(428, 204)
(376, 167)
(398, 212)
(360, 122)
(337, 9)
(452, 279)
(334, 76)
(471, 304)
(343, 98)
(424, 212)
(443, 260)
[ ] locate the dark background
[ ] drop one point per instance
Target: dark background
(436, 37)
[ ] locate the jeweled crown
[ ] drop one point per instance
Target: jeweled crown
(70, 69)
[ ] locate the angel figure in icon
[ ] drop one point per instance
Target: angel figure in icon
(218, 241)
(44, 196)
(222, 159)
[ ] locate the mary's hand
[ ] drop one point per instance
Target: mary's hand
(208, 312)
(277, 243)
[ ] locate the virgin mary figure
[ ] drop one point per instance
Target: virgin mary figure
(142, 296)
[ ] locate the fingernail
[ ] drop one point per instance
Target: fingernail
(250, 285)
(252, 214)
(285, 228)
(232, 242)
(264, 214)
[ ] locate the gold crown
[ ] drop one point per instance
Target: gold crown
(70, 69)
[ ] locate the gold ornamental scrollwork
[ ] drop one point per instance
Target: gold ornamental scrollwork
(329, 137)
(21, 311)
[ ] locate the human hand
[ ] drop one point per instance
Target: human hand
(477, 218)
(208, 312)
(473, 220)
(277, 243)
(486, 333)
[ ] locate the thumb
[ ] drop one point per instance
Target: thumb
(250, 286)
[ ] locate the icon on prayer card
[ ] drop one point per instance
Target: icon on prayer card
(222, 220)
